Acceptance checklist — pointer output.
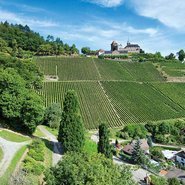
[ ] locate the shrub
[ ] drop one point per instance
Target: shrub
(136, 130)
(156, 153)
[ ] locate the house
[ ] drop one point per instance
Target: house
(128, 149)
(180, 157)
(169, 154)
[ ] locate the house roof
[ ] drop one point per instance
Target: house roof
(181, 154)
(129, 147)
(132, 46)
(168, 154)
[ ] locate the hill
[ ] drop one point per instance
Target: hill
(114, 92)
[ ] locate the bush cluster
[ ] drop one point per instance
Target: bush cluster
(166, 132)
(33, 162)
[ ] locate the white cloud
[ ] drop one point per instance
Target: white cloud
(22, 19)
(107, 3)
(169, 12)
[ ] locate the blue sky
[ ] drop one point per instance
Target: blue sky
(155, 25)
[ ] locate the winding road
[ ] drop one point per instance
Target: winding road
(9, 150)
(57, 148)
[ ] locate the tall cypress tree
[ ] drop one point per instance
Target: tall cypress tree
(71, 131)
(103, 144)
(136, 151)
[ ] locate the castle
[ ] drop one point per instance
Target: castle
(117, 49)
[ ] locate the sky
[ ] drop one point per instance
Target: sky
(156, 25)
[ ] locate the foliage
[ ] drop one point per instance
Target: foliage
(156, 153)
(19, 103)
(155, 180)
(71, 131)
(138, 156)
(173, 181)
(104, 146)
(32, 163)
(167, 132)
(20, 41)
(101, 171)
(181, 55)
(88, 51)
(52, 115)
(135, 130)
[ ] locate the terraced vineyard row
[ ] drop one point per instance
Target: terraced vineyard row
(94, 105)
(69, 68)
(137, 102)
(128, 71)
(174, 69)
(175, 91)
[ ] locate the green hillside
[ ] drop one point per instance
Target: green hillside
(115, 92)
(69, 69)
(94, 105)
(175, 69)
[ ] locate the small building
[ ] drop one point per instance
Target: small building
(169, 154)
(180, 157)
(128, 149)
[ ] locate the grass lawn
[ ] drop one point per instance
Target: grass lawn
(38, 133)
(10, 136)
(52, 130)
(90, 146)
(6, 177)
(1, 154)
(48, 154)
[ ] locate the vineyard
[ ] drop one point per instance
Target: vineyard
(136, 102)
(113, 92)
(94, 105)
(69, 69)
(174, 69)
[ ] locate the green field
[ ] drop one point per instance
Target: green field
(174, 69)
(11, 136)
(113, 92)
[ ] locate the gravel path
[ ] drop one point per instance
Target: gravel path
(57, 149)
(9, 150)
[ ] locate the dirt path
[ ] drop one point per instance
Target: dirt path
(9, 150)
(57, 149)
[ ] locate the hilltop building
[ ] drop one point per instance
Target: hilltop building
(117, 49)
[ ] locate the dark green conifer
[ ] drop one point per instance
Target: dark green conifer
(71, 131)
(104, 146)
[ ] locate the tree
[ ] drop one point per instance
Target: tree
(171, 56)
(149, 141)
(155, 180)
(181, 55)
(32, 111)
(104, 146)
(86, 50)
(71, 131)
(173, 181)
(81, 168)
(52, 115)
(156, 153)
(18, 103)
(138, 156)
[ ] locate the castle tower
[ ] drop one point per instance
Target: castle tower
(114, 46)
